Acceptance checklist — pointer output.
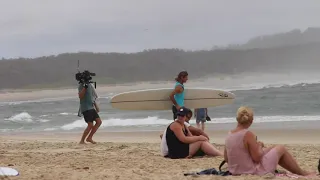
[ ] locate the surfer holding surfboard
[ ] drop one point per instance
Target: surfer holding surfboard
(177, 95)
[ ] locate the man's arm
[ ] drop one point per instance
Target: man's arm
(82, 91)
(197, 132)
(178, 89)
(96, 107)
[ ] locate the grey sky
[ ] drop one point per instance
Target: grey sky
(43, 27)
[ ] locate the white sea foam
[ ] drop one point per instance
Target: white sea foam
(66, 113)
(155, 121)
(25, 117)
(21, 117)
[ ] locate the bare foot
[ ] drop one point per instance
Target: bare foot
(82, 142)
(90, 140)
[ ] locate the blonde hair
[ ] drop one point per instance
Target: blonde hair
(244, 115)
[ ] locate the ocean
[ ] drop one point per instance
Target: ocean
(274, 98)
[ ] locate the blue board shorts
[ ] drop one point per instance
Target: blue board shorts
(198, 120)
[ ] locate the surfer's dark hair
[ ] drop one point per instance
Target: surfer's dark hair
(182, 74)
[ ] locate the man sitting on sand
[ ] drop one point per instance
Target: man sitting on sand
(245, 155)
(179, 141)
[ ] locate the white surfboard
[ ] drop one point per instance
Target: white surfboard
(6, 171)
(158, 99)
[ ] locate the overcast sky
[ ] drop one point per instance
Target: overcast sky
(30, 28)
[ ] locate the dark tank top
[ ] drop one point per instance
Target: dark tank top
(177, 149)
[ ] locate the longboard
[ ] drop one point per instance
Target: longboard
(158, 99)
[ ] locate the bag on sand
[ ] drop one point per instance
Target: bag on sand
(211, 171)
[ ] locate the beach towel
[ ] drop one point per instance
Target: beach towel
(95, 97)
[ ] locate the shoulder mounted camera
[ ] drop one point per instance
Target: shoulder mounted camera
(85, 77)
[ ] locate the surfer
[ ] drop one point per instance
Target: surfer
(90, 111)
(182, 144)
(177, 95)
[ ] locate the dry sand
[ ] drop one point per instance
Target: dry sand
(134, 156)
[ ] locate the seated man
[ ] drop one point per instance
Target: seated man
(210, 149)
(245, 155)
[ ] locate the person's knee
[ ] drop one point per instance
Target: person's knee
(281, 149)
(98, 122)
(90, 125)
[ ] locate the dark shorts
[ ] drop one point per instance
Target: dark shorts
(90, 115)
(174, 111)
(198, 120)
(199, 153)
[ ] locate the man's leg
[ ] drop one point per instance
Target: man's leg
(202, 125)
(94, 130)
(198, 123)
(86, 132)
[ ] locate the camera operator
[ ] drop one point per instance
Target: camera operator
(90, 111)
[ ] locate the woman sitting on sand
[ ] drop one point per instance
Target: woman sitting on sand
(181, 143)
(245, 155)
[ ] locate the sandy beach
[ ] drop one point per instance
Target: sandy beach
(130, 155)
(133, 155)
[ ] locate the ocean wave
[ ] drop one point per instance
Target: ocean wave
(247, 83)
(24, 117)
(274, 85)
(155, 121)
(12, 103)
(116, 122)
(67, 114)
(21, 117)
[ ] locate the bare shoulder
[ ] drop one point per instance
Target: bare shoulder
(175, 126)
(249, 136)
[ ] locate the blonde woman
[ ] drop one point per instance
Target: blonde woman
(245, 155)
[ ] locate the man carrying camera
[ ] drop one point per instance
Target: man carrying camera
(90, 110)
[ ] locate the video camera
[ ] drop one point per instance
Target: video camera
(85, 77)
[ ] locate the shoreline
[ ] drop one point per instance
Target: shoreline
(271, 136)
(310, 125)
